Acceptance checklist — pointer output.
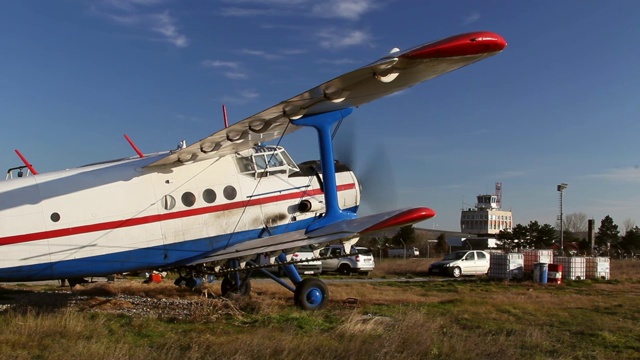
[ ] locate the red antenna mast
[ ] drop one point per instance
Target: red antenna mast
(135, 148)
(224, 116)
(26, 163)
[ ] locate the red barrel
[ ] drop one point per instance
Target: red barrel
(554, 275)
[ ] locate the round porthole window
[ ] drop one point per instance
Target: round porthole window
(229, 192)
(209, 196)
(168, 202)
(55, 217)
(188, 199)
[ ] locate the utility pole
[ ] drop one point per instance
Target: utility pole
(561, 189)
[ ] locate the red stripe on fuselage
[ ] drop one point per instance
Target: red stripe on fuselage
(111, 225)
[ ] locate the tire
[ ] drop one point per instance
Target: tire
(229, 288)
(344, 269)
(311, 294)
(456, 272)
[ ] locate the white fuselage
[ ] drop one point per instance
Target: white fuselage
(120, 216)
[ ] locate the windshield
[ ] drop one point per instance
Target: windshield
(455, 255)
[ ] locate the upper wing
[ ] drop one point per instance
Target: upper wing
(343, 230)
(388, 75)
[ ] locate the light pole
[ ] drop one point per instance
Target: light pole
(561, 189)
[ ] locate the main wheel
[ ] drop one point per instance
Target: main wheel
(311, 294)
(229, 287)
(456, 272)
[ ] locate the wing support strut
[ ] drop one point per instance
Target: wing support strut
(323, 123)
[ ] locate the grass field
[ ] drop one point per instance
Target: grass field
(470, 319)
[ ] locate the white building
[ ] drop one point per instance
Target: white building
(486, 218)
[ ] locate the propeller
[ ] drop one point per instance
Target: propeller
(375, 172)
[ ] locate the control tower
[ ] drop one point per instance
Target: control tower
(487, 218)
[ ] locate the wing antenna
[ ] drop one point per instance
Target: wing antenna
(135, 148)
(224, 116)
(26, 163)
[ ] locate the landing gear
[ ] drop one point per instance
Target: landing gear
(230, 287)
(311, 294)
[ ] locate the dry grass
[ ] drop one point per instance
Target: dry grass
(473, 318)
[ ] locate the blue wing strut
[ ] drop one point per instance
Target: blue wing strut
(323, 123)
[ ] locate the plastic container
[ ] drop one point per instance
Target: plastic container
(598, 268)
(574, 268)
(534, 256)
(506, 266)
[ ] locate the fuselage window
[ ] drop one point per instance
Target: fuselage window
(188, 199)
(229, 192)
(209, 196)
(168, 202)
(55, 217)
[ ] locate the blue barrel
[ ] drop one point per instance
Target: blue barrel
(540, 272)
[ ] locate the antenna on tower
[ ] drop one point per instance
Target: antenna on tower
(499, 195)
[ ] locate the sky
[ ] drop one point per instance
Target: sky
(559, 105)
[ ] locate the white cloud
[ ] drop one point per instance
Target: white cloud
(629, 174)
(241, 98)
(335, 39)
(133, 13)
(470, 19)
(329, 9)
(234, 75)
(343, 9)
(220, 64)
(260, 53)
(164, 24)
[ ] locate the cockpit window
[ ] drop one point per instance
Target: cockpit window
(265, 160)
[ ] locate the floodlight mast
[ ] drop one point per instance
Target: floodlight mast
(561, 188)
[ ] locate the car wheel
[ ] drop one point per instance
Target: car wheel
(456, 272)
(311, 294)
(344, 269)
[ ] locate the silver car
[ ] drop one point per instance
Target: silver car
(463, 262)
(361, 261)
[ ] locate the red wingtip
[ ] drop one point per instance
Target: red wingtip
(406, 217)
(474, 43)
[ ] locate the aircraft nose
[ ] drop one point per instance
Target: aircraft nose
(474, 43)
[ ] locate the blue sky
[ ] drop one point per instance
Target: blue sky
(560, 104)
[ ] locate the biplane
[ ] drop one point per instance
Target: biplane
(207, 210)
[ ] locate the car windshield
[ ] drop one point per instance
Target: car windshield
(455, 255)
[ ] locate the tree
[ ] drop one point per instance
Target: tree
(630, 242)
(576, 223)
(532, 236)
(608, 234)
(544, 237)
(442, 246)
(628, 224)
(406, 234)
(507, 240)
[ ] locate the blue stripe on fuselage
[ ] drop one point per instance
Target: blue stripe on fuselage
(141, 259)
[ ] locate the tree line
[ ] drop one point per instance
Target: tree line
(607, 241)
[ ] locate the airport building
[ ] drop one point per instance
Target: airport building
(487, 218)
